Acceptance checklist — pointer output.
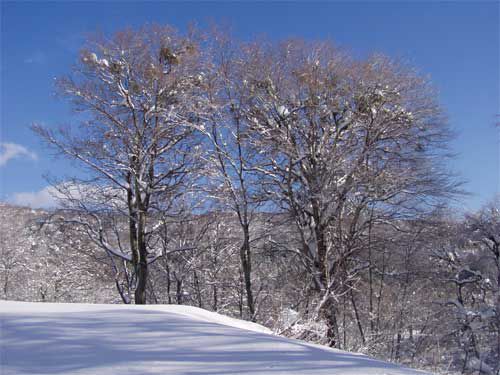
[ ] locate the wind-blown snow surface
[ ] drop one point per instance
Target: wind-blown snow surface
(45, 338)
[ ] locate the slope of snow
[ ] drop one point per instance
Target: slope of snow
(44, 338)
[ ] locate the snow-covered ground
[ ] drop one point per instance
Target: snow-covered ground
(44, 338)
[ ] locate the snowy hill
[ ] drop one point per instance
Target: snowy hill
(44, 338)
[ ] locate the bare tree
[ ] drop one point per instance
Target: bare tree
(140, 101)
(230, 158)
(481, 268)
(341, 137)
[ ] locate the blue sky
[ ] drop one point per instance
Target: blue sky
(456, 43)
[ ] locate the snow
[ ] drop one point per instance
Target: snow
(282, 111)
(46, 338)
(104, 62)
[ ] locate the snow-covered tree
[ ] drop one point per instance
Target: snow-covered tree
(475, 275)
(231, 159)
(342, 139)
(46, 264)
(140, 101)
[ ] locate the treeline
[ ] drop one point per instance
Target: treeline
(287, 183)
(428, 297)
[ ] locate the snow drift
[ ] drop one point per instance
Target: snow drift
(45, 338)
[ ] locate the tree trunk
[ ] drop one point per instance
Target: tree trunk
(6, 284)
(179, 292)
(142, 276)
(198, 289)
(329, 314)
(142, 267)
(169, 283)
(122, 293)
(215, 304)
(358, 320)
(139, 294)
(246, 264)
(328, 311)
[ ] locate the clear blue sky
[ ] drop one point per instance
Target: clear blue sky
(456, 43)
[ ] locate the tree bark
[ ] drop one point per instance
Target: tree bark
(142, 266)
(329, 314)
(246, 264)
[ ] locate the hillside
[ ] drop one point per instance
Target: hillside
(46, 338)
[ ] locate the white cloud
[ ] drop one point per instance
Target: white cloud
(50, 196)
(45, 198)
(10, 151)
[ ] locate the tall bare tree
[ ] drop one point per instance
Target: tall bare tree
(140, 101)
(343, 139)
(231, 158)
